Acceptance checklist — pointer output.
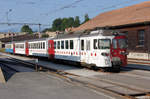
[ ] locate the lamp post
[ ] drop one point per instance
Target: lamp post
(7, 15)
(7, 19)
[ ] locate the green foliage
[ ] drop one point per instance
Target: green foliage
(86, 18)
(60, 24)
(76, 21)
(27, 29)
(45, 35)
(57, 24)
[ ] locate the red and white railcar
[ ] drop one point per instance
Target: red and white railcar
(99, 48)
(37, 47)
(19, 47)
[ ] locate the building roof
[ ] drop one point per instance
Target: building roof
(138, 13)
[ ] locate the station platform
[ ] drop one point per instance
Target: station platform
(40, 85)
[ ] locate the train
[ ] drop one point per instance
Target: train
(105, 49)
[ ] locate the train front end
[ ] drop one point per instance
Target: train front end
(119, 51)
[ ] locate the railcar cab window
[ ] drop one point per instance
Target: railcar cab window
(122, 43)
(114, 43)
(66, 44)
(58, 44)
(104, 43)
(71, 44)
(62, 44)
(82, 44)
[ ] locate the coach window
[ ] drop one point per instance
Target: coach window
(66, 44)
(34, 45)
(31, 45)
(95, 44)
(82, 44)
(55, 45)
(71, 44)
(58, 44)
(41, 45)
(88, 45)
(62, 44)
(37, 45)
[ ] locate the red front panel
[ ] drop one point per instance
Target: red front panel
(27, 49)
(14, 48)
(117, 51)
(51, 49)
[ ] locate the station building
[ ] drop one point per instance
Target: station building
(134, 21)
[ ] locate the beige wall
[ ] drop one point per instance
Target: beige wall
(51, 34)
(3, 35)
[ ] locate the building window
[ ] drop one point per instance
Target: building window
(141, 36)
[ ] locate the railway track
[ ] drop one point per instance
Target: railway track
(73, 78)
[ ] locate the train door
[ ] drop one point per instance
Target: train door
(14, 48)
(88, 50)
(27, 49)
(51, 50)
(82, 50)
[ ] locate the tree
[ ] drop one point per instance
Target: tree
(86, 18)
(76, 21)
(27, 29)
(57, 24)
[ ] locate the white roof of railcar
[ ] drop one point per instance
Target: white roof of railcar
(86, 34)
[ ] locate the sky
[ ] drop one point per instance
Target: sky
(45, 11)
